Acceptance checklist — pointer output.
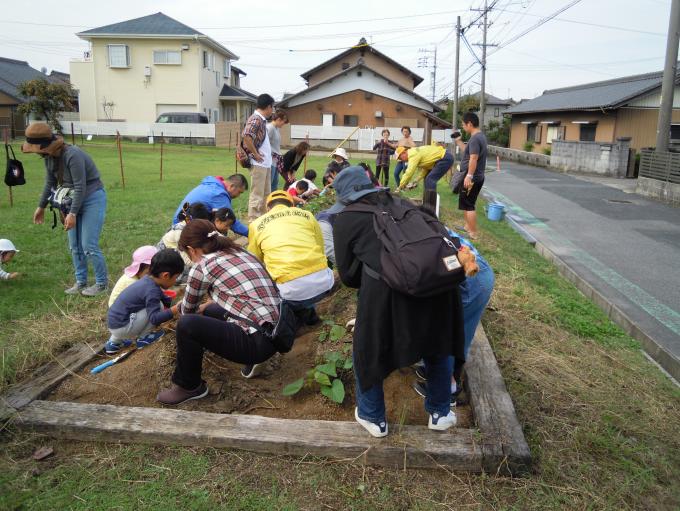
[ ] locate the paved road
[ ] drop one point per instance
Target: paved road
(624, 245)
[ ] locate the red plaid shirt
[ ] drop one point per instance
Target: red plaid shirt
(384, 151)
(255, 128)
(238, 283)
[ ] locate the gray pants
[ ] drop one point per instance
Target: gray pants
(138, 326)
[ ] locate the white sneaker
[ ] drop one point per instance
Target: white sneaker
(440, 422)
(376, 430)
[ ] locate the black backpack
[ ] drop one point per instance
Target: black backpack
(418, 257)
(14, 174)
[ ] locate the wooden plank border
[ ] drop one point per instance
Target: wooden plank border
(45, 378)
(505, 450)
(406, 447)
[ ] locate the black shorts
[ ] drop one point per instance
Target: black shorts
(468, 199)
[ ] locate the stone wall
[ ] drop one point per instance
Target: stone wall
(660, 190)
(541, 160)
(592, 157)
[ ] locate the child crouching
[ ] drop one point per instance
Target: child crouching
(139, 308)
(7, 251)
(141, 259)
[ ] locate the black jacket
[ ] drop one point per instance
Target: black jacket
(393, 330)
(289, 163)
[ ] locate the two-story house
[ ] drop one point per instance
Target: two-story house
(138, 69)
(362, 87)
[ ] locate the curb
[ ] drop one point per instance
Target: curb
(666, 360)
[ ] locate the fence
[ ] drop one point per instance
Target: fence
(141, 129)
(542, 160)
(659, 175)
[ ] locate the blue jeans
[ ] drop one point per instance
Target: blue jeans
(401, 166)
(275, 177)
(83, 239)
(440, 168)
(371, 403)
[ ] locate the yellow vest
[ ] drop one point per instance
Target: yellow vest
(289, 242)
(423, 158)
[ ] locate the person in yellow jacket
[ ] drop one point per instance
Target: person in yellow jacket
(289, 242)
(433, 161)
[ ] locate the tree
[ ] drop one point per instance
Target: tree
(498, 133)
(45, 100)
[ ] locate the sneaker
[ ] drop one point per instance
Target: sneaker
(149, 338)
(251, 371)
(377, 430)
(440, 422)
(421, 390)
(75, 288)
(176, 395)
(111, 347)
(94, 290)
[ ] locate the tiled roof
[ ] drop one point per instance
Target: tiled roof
(234, 92)
(591, 96)
(153, 24)
(490, 99)
(13, 72)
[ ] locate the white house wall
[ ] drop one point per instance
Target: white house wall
(368, 81)
(653, 99)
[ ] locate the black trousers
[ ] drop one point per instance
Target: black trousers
(211, 332)
(385, 169)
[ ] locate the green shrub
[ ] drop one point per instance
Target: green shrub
(528, 146)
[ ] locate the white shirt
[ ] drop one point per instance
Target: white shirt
(265, 149)
(308, 286)
(309, 191)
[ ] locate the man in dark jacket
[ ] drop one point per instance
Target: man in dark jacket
(393, 330)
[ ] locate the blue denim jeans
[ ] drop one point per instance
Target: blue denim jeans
(401, 166)
(440, 168)
(275, 177)
(83, 239)
(371, 403)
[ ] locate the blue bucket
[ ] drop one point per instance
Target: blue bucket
(495, 212)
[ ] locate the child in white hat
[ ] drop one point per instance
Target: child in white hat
(7, 251)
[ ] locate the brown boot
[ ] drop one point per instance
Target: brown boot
(176, 394)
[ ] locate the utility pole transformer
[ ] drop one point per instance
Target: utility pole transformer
(668, 84)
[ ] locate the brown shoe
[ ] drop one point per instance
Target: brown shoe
(176, 394)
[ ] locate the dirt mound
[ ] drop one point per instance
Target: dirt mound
(137, 380)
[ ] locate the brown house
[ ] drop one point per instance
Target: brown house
(362, 87)
(594, 112)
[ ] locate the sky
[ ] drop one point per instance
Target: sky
(590, 40)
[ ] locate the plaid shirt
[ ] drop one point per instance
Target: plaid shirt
(255, 128)
(384, 153)
(238, 283)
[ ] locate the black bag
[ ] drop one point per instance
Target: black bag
(61, 198)
(281, 335)
(14, 175)
(457, 181)
(418, 257)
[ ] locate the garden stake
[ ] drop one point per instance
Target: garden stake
(161, 156)
(73, 135)
(120, 158)
(82, 141)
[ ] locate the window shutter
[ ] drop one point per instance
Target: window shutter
(539, 132)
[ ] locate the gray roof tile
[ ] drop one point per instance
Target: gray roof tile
(153, 24)
(591, 96)
(13, 72)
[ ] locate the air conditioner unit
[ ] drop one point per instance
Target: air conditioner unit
(185, 47)
(378, 113)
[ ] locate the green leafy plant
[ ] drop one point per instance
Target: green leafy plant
(327, 375)
(547, 151)
(335, 332)
(528, 146)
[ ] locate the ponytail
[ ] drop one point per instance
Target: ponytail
(203, 234)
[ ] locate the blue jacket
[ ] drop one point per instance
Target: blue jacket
(212, 193)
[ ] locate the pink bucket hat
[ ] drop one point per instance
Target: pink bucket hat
(140, 256)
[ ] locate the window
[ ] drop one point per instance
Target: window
(211, 61)
(351, 120)
(119, 55)
(555, 132)
(167, 57)
(205, 59)
(587, 133)
(216, 115)
(217, 79)
(230, 114)
(496, 112)
(327, 119)
(534, 133)
(227, 68)
(675, 131)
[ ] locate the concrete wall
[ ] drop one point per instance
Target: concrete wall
(592, 157)
(661, 190)
(537, 159)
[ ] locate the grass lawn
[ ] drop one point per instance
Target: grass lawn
(601, 421)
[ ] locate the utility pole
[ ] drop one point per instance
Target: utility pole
(668, 83)
(454, 118)
(425, 62)
(482, 94)
(434, 75)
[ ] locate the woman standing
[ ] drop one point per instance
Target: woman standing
(405, 141)
(393, 329)
(291, 162)
(273, 132)
(68, 167)
(241, 294)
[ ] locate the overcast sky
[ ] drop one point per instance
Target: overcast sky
(297, 35)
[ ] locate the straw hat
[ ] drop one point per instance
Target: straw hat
(39, 139)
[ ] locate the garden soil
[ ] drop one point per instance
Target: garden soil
(137, 380)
